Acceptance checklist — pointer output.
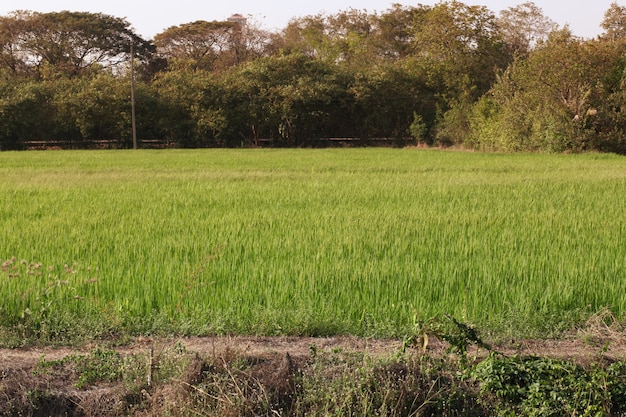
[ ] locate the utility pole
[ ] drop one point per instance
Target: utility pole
(132, 94)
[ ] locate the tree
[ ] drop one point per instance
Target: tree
(313, 36)
(393, 37)
(459, 50)
(198, 44)
(350, 37)
(68, 43)
(184, 111)
(614, 23)
(352, 33)
(562, 97)
(252, 42)
(386, 99)
(212, 45)
(12, 62)
(94, 108)
(461, 46)
(523, 26)
(27, 112)
(288, 99)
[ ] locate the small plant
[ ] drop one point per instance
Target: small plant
(548, 387)
(100, 365)
(418, 128)
(420, 330)
(461, 336)
(458, 335)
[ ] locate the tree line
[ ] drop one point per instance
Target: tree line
(445, 75)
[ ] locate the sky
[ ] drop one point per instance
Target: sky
(149, 17)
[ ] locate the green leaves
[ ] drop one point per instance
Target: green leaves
(558, 98)
(537, 386)
(100, 365)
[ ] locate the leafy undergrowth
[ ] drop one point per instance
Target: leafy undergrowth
(412, 380)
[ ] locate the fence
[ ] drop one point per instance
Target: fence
(163, 144)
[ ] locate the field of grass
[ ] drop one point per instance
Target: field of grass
(315, 242)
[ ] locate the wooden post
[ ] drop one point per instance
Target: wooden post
(150, 364)
(132, 95)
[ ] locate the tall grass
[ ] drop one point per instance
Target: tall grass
(309, 241)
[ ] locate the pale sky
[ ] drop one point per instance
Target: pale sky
(150, 17)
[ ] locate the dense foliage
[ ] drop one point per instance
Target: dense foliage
(448, 74)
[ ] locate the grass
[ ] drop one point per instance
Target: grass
(361, 241)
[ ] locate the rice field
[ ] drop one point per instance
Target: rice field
(308, 242)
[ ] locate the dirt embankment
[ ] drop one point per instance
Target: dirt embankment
(49, 381)
(581, 349)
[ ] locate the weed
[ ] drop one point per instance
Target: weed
(100, 365)
(458, 335)
(548, 387)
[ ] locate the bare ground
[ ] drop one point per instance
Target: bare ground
(581, 347)
(19, 378)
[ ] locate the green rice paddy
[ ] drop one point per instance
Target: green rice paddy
(303, 241)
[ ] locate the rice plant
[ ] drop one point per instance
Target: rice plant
(309, 241)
